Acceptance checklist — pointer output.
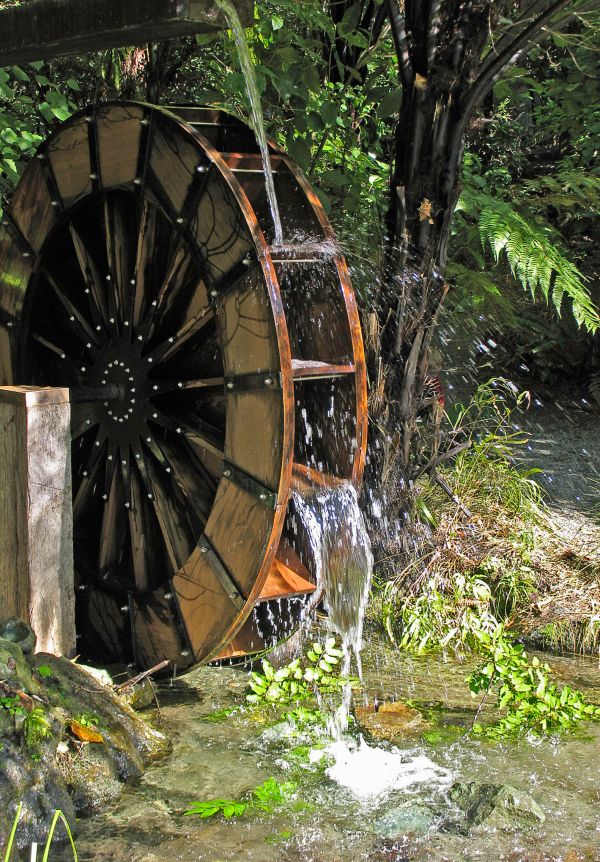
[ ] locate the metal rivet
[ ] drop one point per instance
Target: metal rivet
(168, 595)
(103, 381)
(127, 505)
(133, 388)
(83, 367)
(230, 384)
(110, 457)
(178, 430)
(132, 281)
(63, 355)
(185, 652)
(108, 277)
(89, 119)
(40, 156)
(130, 410)
(105, 496)
(138, 456)
(112, 320)
(154, 303)
(9, 324)
(132, 401)
(26, 254)
(268, 381)
(55, 203)
(148, 439)
(203, 549)
(149, 359)
(84, 473)
(155, 415)
(179, 220)
(82, 587)
(93, 176)
(202, 169)
(110, 412)
(140, 337)
(180, 385)
(97, 442)
(214, 293)
(137, 181)
(125, 323)
(105, 403)
(145, 121)
(149, 496)
(125, 609)
(87, 290)
(155, 388)
(88, 421)
(227, 472)
(262, 496)
(168, 470)
(88, 345)
(98, 328)
(72, 317)
(246, 261)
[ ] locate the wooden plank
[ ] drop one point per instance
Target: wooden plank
(309, 369)
(42, 29)
(36, 522)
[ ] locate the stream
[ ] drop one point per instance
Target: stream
(384, 804)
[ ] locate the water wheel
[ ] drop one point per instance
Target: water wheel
(210, 373)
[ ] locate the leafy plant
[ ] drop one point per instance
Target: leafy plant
(12, 705)
(267, 796)
(300, 679)
(532, 702)
(36, 728)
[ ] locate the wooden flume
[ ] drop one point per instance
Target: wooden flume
(210, 372)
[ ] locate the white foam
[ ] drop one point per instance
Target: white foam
(368, 771)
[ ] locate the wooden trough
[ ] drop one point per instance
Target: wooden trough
(210, 373)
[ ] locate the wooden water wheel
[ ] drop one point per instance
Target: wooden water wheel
(210, 372)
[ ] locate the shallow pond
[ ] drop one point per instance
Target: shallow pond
(329, 822)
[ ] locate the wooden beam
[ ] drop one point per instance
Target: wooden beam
(42, 29)
(36, 521)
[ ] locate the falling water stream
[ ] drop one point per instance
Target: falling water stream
(341, 549)
(258, 122)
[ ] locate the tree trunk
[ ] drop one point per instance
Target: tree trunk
(439, 47)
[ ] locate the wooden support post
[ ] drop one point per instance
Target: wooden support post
(36, 515)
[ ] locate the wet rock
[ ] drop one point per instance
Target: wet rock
(48, 757)
(141, 695)
(19, 632)
(411, 816)
(491, 806)
(390, 721)
(40, 789)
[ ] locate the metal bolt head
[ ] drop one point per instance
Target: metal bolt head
(125, 608)
(230, 384)
(168, 595)
(137, 181)
(262, 496)
(227, 472)
(268, 381)
(93, 176)
(127, 505)
(203, 549)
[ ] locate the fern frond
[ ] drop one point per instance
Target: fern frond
(535, 259)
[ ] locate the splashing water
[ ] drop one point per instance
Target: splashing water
(258, 121)
(344, 565)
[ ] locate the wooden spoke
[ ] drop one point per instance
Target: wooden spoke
(207, 383)
(147, 234)
(194, 481)
(140, 531)
(182, 336)
(111, 532)
(201, 432)
(79, 325)
(92, 279)
(53, 348)
(117, 223)
(174, 528)
(89, 476)
(176, 279)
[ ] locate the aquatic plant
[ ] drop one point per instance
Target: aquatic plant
(302, 678)
(269, 795)
(57, 816)
(532, 702)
